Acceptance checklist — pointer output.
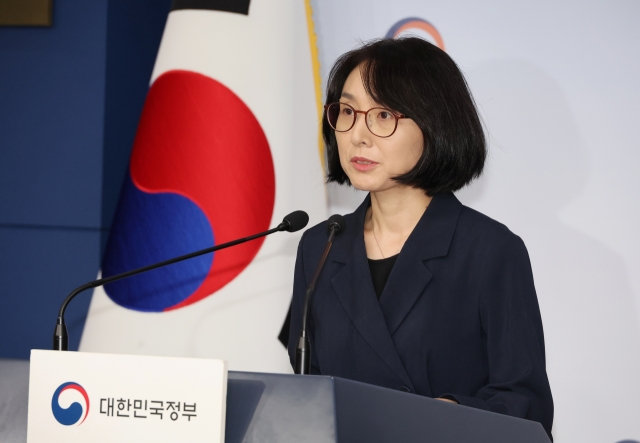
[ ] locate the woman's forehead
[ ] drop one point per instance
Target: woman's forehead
(354, 90)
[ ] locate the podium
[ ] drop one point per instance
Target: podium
(293, 408)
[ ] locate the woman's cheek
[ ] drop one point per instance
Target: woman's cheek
(345, 164)
(342, 154)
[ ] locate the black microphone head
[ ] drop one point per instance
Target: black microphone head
(295, 221)
(336, 222)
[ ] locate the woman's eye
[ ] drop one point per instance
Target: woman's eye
(385, 115)
(347, 111)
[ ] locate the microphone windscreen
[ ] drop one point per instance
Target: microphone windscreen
(338, 221)
(296, 221)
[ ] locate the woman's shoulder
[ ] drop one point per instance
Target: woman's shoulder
(475, 227)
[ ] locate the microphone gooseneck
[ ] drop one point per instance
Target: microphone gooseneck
(335, 225)
(291, 223)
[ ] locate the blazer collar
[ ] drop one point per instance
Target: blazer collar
(378, 321)
(431, 237)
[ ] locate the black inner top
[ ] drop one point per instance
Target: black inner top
(380, 270)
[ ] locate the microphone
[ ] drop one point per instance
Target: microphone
(291, 223)
(335, 226)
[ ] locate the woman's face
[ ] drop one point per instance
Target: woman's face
(370, 161)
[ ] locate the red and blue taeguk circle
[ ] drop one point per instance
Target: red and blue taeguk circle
(75, 411)
(201, 173)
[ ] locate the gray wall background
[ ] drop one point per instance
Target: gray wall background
(557, 86)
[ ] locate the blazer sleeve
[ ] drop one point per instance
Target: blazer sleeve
(297, 306)
(517, 384)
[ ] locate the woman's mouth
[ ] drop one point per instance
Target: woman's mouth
(363, 164)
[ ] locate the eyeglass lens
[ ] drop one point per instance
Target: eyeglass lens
(380, 121)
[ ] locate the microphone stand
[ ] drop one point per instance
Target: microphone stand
(303, 350)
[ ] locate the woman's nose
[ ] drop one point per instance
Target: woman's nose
(360, 134)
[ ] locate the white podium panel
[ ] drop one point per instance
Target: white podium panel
(81, 397)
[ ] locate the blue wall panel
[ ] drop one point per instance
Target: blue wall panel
(51, 118)
(70, 100)
(39, 268)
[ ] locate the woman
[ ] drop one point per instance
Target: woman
(419, 292)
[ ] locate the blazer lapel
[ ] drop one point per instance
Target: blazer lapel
(354, 287)
(408, 280)
(409, 277)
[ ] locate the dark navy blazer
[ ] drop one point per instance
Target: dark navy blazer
(458, 317)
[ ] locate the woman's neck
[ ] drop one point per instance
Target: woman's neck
(393, 215)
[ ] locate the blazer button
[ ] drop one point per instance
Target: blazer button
(405, 389)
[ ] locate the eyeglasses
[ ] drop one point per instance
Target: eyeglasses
(380, 121)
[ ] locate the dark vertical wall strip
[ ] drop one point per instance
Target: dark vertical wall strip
(134, 33)
(70, 99)
(51, 132)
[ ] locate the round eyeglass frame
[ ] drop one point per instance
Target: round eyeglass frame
(366, 113)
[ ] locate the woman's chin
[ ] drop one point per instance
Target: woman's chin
(369, 185)
(363, 185)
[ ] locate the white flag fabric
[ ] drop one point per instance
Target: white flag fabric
(227, 145)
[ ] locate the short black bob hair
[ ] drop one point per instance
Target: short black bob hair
(415, 78)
